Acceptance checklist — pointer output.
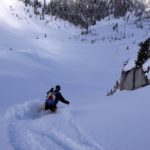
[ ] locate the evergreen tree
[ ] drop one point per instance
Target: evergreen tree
(143, 53)
(26, 2)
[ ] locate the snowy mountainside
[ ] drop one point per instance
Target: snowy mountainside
(32, 63)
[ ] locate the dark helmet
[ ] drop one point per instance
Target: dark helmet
(57, 88)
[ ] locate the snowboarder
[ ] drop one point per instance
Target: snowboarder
(53, 96)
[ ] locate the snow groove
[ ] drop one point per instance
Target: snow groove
(21, 139)
(30, 129)
(65, 142)
(83, 137)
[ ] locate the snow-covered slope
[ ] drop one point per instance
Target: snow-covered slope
(31, 129)
(35, 55)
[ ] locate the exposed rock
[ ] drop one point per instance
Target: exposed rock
(140, 78)
(133, 79)
(126, 82)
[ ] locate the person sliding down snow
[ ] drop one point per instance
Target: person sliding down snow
(53, 96)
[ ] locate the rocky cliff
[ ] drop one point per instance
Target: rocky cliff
(133, 79)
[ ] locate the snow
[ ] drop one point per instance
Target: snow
(121, 124)
(32, 63)
(130, 64)
(25, 122)
(146, 67)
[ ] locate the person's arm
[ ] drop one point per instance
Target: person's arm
(62, 99)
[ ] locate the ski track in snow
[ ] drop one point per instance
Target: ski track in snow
(32, 129)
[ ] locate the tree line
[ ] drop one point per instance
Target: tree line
(85, 13)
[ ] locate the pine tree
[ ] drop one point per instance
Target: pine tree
(143, 53)
(26, 2)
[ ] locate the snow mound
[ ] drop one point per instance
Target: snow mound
(130, 64)
(29, 128)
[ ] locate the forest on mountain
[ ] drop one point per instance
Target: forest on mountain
(85, 13)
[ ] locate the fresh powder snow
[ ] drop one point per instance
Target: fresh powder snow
(36, 55)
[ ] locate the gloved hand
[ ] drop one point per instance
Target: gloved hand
(67, 102)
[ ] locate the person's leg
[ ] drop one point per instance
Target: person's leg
(53, 109)
(46, 106)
